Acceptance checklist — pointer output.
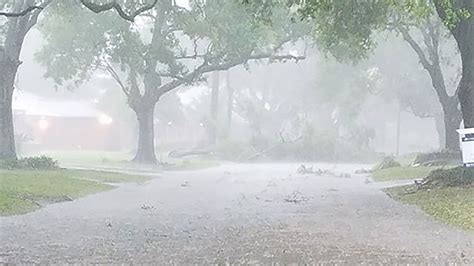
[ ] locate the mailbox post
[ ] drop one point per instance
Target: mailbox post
(467, 146)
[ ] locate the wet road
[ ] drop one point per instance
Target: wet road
(260, 214)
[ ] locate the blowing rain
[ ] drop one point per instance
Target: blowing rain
(266, 132)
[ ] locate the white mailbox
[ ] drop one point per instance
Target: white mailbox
(467, 146)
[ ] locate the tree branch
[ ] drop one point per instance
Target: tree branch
(407, 37)
(98, 8)
(34, 16)
(206, 68)
(116, 77)
(21, 13)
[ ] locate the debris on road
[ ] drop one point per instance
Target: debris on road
(362, 171)
(295, 197)
(303, 169)
(185, 183)
(147, 207)
(345, 175)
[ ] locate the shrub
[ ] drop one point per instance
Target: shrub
(9, 164)
(453, 177)
(437, 158)
(30, 163)
(387, 162)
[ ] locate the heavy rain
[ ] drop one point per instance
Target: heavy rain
(258, 132)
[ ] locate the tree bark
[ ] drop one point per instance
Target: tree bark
(463, 33)
(7, 133)
(452, 120)
(17, 28)
(146, 134)
(466, 86)
(214, 107)
(449, 104)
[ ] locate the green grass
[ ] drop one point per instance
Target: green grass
(107, 177)
(453, 205)
(122, 160)
(90, 157)
(24, 191)
(402, 173)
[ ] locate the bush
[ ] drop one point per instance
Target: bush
(8, 164)
(437, 158)
(453, 177)
(30, 163)
(387, 162)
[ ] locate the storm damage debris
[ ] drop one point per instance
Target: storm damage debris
(146, 207)
(185, 183)
(295, 197)
(303, 169)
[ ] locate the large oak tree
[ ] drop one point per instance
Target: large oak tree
(168, 47)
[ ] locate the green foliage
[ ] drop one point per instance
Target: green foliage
(33, 163)
(444, 157)
(346, 28)
(453, 14)
(387, 162)
(453, 177)
(168, 44)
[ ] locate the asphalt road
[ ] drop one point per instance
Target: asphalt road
(236, 213)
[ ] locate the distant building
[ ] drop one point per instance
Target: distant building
(49, 124)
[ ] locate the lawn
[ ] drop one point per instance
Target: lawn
(24, 191)
(451, 205)
(122, 160)
(402, 173)
(89, 157)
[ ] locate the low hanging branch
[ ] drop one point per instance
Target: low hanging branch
(98, 8)
(21, 13)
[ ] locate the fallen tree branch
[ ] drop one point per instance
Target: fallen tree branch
(260, 153)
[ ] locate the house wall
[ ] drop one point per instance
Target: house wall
(67, 133)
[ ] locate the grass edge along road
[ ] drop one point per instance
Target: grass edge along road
(23, 191)
(451, 205)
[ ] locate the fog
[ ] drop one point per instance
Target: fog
(318, 91)
(234, 132)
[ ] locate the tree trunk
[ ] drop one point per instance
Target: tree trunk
(463, 33)
(466, 86)
(214, 107)
(464, 36)
(146, 134)
(8, 70)
(452, 119)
